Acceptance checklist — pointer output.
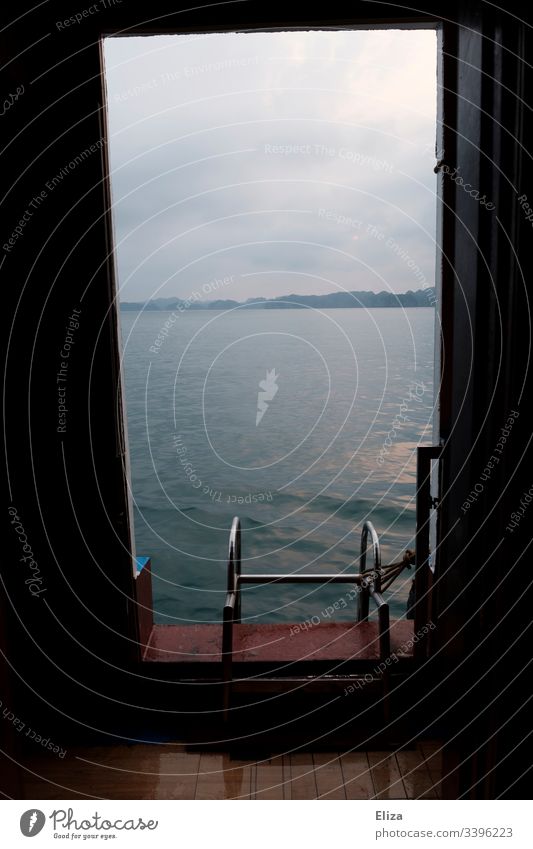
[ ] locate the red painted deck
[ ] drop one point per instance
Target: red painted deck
(335, 641)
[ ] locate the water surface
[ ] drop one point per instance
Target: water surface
(335, 445)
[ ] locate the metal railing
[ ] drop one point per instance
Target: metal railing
(367, 580)
(423, 574)
(364, 594)
(232, 606)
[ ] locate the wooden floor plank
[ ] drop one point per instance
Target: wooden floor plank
(358, 782)
(328, 776)
(115, 772)
(386, 775)
(270, 779)
(415, 775)
(36, 788)
(303, 782)
(178, 776)
(167, 772)
(432, 753)
(220, 777)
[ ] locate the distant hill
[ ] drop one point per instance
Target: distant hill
(333, 300)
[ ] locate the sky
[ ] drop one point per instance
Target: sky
(249, 165)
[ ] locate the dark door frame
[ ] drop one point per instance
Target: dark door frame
(69, 486)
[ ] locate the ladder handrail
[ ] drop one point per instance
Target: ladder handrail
(232, 606)
(368, 528)
(364, 595)
(368, 581)
(234, 564)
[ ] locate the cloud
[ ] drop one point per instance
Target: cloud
(226, 148)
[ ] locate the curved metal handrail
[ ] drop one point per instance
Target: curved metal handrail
(372, 587)
(368, 528)
(234, 553)
(232, 606)
(368, 582)
(364, 594)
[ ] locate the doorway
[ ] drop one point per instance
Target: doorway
(274, 204)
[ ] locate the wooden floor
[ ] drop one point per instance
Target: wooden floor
(168, 771)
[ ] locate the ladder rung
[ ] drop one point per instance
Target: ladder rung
(319, 684)
(304, 578)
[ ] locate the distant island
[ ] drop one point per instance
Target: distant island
(333, 300)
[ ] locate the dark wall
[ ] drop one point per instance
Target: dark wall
(66, 476)
(71, 633)
(68, 615)
(484, 584)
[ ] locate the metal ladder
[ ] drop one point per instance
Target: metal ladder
(368, 581)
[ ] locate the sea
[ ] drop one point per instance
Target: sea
(302, 422)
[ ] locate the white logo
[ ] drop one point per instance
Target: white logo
(268, 389)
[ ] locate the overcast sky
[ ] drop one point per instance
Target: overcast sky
(284, 162)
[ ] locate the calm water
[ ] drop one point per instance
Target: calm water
(303, 479)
